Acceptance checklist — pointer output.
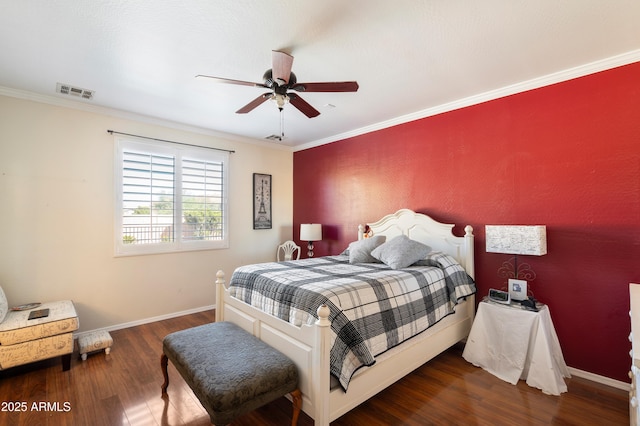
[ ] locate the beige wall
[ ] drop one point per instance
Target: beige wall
(56, 217)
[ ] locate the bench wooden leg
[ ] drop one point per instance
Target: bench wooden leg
(163, 365)
(296, 398)
(66, 362)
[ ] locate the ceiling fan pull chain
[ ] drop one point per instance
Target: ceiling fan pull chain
(281, 124)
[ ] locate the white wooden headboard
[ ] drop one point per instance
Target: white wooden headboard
(422, 228)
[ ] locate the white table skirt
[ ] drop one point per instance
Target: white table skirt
(513, 344)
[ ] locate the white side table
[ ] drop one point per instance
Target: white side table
(512, 343)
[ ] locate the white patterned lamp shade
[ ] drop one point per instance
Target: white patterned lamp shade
(517, 239)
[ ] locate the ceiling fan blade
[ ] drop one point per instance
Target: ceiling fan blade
(281, 64)
(254, 103)
(229, 81)
(303, 105)
(335, 86)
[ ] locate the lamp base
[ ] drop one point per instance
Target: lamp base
(512, 269)
(310, 249)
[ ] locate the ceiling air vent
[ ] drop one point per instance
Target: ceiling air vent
(67, 89)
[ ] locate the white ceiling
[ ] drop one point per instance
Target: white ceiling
(411, 58)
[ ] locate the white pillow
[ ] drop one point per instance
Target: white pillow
(360, 251)
(4, 306)
(400, 252)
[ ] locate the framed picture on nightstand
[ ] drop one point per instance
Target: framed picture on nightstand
(517, 289)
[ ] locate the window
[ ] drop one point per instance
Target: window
(169, 197)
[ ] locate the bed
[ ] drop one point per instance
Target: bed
(311, 341)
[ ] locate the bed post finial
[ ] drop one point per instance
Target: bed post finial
(323, 316)
(220, 296)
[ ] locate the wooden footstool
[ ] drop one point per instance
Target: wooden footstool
(229, 370)
(95, 341)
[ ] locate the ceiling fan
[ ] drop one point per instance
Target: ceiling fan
(281, 80)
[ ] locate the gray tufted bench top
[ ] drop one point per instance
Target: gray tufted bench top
(229, 370)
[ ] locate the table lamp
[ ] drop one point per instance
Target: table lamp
(517, 240)
(310, 232)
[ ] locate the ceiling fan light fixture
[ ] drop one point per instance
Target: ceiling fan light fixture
(280, 100)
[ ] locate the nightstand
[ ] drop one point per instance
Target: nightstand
(513, 343)
(23, 341)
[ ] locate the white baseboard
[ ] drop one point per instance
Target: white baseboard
(599, 379)
(147, 320)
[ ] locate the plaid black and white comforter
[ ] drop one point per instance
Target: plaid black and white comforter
(373, 307)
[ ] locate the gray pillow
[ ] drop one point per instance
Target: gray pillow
(360, 251)
(400, 252)
(4, 306)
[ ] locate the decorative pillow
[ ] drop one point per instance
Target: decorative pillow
(360, 251)
(4, 306)
(400, 252)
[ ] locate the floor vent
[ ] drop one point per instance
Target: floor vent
(67, 89)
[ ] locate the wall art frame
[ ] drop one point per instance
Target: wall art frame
(262, 201)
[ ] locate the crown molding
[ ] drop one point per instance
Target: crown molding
(547, 80)
(558, 77)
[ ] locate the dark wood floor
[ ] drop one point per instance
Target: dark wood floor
(124, 389)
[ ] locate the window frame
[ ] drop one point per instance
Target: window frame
(178, 152)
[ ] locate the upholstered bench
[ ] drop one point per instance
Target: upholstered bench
(229, 370)
(94, 341)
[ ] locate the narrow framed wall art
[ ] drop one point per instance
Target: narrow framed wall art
(261, 201)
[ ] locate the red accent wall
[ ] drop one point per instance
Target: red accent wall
(566, 156)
